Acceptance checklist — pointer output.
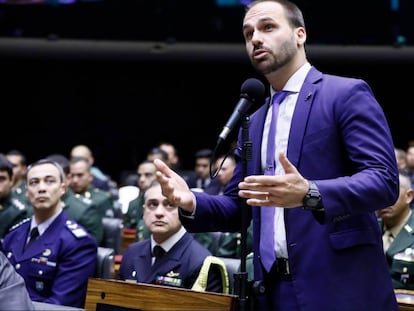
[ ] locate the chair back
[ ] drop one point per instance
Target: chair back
(112, 233)
(105, 265)
(232, 267)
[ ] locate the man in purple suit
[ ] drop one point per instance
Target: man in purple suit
(334, 166)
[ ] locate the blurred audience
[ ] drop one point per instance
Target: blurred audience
(401, 157)
(157, 153)
(12, 209)
(19, 161)
(81, 183)
(200, 178)
(174, 160)
(100, 179)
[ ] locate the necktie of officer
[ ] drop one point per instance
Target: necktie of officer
(158, 252)
(267, 248)
(34, 234)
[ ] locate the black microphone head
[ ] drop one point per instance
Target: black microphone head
(253, 89)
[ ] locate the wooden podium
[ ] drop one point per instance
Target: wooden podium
(103, 294)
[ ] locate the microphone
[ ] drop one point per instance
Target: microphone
(251, 91)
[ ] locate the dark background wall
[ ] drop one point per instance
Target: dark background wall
(152, 74)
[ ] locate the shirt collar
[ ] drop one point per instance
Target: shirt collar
(171, 241)
(295, 82)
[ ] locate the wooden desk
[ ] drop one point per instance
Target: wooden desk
(405, 299)
(148, 297)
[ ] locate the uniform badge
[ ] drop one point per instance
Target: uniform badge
(76, 230)
(173, 274)
(165, 280)
(18, 204)
(40, 286)
(87, 201)
(47, 252)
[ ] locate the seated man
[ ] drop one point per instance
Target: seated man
(180, 258)
(12, 209)
(57, 261)
(397, 223)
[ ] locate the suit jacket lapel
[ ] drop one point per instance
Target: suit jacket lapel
(301, 114)
(47, 238)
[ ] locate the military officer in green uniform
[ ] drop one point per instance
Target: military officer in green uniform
(12, 210)
(85, 214)
(397, 224)
(19, 163)
(81, 183)
(133, 218)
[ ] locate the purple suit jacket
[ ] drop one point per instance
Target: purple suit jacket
(340, 139)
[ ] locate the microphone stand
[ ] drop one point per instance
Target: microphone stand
(241, 278)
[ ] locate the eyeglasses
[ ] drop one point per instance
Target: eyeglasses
(152, 205)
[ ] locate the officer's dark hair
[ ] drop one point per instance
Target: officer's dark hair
(62, 160)
(47, 161)
(6, 165)
(15, 152)
(157, 150)
(77, 159)
(203, 153)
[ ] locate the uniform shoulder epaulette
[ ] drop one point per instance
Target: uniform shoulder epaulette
(19, 223)
(19, 204)
(75, 229)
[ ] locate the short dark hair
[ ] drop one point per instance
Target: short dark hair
(6, 165)
(16, 152)
(293, 13)
(157, 150)
(62, 160)
(203, 153)
(47, 161)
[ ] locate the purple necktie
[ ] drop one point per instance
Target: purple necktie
(267, 249)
